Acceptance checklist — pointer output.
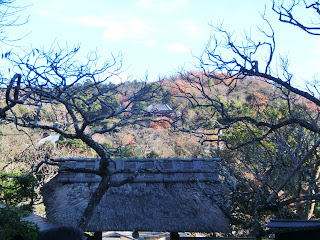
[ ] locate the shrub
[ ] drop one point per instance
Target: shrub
(107, 144)
(18, 189)
(14, 191)
(13, 228)
(73, 143)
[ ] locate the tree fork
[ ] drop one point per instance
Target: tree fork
(306, 157)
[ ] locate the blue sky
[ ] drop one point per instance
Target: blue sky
(157, 36)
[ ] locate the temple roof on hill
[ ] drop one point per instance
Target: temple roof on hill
(171, 197)
(158, 108)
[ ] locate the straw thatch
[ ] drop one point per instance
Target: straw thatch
(173, 206)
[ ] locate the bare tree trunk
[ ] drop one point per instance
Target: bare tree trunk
(94, 201)
(312, 205)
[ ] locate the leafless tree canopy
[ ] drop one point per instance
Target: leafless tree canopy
(82, 98)
(287, 11)
(270, 140)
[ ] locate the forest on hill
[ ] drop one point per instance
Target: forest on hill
(158, 132)
(241, 107)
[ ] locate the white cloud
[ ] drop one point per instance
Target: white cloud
(114, 77)
(90, 21)
(190, 27)
(49, 8)
(161, 3)
(132, 28)
(148, 3)
(44, 13)
(138, 27)
(316, 50)
(149, 42)
(115, 31)
(177, 47)
(117, 79)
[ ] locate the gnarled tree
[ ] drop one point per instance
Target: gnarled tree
(268, 135)
(81, 100)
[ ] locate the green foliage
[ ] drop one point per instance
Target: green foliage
(152, 154)
(107, 144)
(178, 150)
(243, 131)
(153, 93)
(13, 228)
(47, 115)
(93, 103)
(130, 152)
(14, 191)
(211, 82)
(23, 110)
(47, 146)
(18, 189)
(73, 143)
(140, 106)
(158, 94)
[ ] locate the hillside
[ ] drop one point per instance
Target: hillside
(180, 133)
(158, 139)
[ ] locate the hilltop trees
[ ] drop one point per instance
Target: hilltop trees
(270, 142)
(152, 93)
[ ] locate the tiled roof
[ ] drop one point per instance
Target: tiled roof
(158, 108)
(293, 223)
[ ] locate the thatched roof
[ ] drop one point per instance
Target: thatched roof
(154, 204)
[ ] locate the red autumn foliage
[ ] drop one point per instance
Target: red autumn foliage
(128, 139)
(179, 91)
(257, 99)
(161, 122)
(125, 103)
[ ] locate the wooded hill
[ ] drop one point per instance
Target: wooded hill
(189, 126)
(158, 138)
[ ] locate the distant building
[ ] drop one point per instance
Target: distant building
(160, 110)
